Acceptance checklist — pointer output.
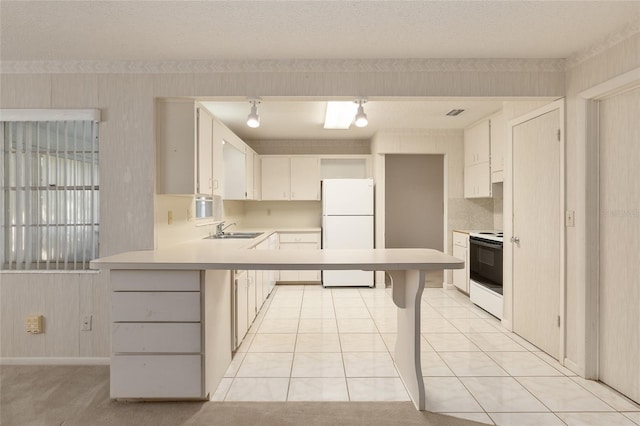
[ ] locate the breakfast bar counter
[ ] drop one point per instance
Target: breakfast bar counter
(171, 314)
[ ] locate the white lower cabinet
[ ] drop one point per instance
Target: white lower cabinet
(461, 251)
(156, 376)
(155, 337)
(299, 241)
(156, 334)
(251, 290)
(149, 306)
(241, 314)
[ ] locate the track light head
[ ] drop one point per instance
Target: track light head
(360, 119)
(253, 119)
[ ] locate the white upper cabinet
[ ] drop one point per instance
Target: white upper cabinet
(477, 160)
(205, 152)
(498, 146)
(276, 178)
(290, 178)
(305, 178)
(252, 166)
(184, 151)
(218, 136)
(237, 162)
(257, 177)
(477, 143)
(235, 183)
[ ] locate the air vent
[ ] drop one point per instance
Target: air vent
(455, 112)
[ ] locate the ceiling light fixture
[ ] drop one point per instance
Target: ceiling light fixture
(253, 119)
(339, 114)
(361, 118)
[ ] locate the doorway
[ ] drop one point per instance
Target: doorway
(619, 242)
(414, 204)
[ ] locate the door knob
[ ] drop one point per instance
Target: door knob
(515, 240)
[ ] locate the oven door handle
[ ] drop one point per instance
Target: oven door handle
(483, 243)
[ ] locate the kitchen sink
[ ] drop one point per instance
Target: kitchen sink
(235, 235)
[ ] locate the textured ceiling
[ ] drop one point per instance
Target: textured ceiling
(228, 31)
(241, 30)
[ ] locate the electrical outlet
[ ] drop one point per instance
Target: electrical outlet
(86, 323)
(34, 324)
(268, 212)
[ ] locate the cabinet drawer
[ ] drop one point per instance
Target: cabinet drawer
(133, 306)
(460, 239)
(123, 280)
(156, 376)
(155, 337)
(310, 237)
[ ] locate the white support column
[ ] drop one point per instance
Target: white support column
(407, 295)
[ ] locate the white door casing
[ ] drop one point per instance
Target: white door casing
(619, 243)
(588, 206)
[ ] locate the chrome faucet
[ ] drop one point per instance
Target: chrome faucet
(220, 227)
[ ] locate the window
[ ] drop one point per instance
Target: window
(50, 189)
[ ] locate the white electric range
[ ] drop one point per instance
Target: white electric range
(485, 271)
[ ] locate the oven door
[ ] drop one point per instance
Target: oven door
(485, 263)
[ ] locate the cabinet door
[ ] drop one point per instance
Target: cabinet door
(176, 143)
(241, 315)
(249, 190)
(477, 143)
(460, 276)
(235, 186)
(305, 178)
(304, 241)
(257, 177)
(498, 147)
(218, 158)
(477, 181)
(251, 297)
(276, 178)
(205, 152)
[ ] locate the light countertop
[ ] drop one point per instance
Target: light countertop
(204, 254)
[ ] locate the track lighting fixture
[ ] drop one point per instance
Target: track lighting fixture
(360, 119)
(253, 119)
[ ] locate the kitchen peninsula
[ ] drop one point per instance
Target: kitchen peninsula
(171, 311)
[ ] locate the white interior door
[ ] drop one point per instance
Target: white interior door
(536, 258)
(619, 246)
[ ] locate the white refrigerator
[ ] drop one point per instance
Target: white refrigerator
(347, 223)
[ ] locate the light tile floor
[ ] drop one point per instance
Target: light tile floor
(314, 344)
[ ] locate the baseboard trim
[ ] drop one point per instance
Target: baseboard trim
(574, 367)
(55, 361)
(506, 324)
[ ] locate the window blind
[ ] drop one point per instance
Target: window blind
(50, 189)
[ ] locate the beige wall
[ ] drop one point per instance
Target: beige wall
(127, 170)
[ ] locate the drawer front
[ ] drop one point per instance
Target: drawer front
(155, 337)
(302, 237)
(123, 280)
(156, 376)
(460, 239)
(133, 306)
